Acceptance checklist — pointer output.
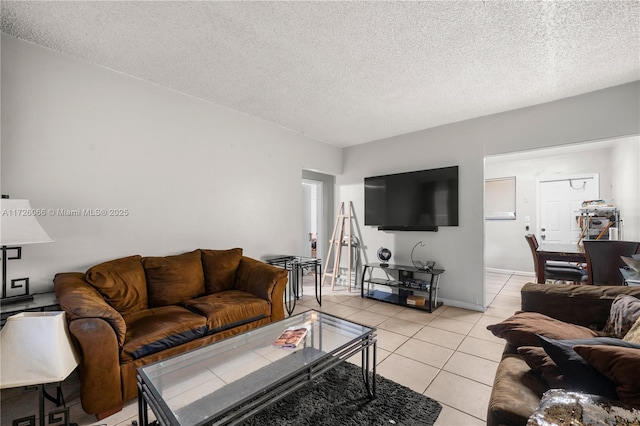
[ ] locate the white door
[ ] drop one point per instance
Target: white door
(559, 202)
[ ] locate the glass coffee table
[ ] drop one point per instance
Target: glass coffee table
(231, 380)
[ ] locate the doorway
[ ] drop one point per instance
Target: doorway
(312, 228)
(559, 201)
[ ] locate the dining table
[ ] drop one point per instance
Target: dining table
(558, 252)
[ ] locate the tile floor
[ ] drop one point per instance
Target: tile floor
(448, 355)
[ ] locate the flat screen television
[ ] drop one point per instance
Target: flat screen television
(413, 201)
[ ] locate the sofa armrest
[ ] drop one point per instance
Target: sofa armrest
(80, 300)
(265, 281)
(586, 305)
(99, 369)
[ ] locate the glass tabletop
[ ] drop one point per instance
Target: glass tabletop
(205, 383)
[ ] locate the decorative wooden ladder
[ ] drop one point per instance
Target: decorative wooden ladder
(336, 241)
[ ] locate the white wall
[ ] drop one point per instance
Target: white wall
(598, 115)
(191, 174)
(505, 246)
(625, 165)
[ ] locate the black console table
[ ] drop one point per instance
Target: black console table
(404, 288)
(296, 266)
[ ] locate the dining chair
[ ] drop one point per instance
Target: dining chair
(554, 270)
(604, 262)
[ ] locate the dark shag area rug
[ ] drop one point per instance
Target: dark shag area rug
(339, 397)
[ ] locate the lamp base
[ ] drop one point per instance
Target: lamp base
(16, 299)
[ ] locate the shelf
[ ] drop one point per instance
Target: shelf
(396, 300)
(396, 284)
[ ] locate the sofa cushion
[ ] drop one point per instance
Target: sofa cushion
(521, 329)
(620, 364)
(578, 374)
(173, 279)
(515, 394)
(542, 364)
(625, 311)
(157, 329)
(228, 309)
(561, 407)
(121, 282)
(220, 268)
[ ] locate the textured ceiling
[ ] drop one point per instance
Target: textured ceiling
(350, 72)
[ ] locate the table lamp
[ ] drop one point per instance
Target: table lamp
(19, 226)
(36, 349)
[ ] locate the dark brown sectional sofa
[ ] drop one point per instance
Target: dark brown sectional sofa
(517, 390)
(136, 310)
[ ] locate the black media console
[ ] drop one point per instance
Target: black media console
(405, 289)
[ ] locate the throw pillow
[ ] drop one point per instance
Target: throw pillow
(173, 279)
(619, 364)
(521, 329)
(561, 407)
(121, 282)
(633, 335)
(541, 364)
(625, 311)
(577, 373)
(220, 268)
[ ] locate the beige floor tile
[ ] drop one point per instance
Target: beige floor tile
(460, 314)
(406, 328)
(410, 373)
(359, 302)
(493, 288)
(441, 337)
(449, 324)
(499, 313)
(425, 352)
(390, 341)
(504, 301)
(463, 394)
(451, 417)
(482, 348)
(368, 318)
(479, 369)
(512, 292)
(388, 309)
(416, 315)
(339, 310)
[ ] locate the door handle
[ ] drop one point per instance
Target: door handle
(542, 235)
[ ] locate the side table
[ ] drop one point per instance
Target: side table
(41, 302)
(296, 265)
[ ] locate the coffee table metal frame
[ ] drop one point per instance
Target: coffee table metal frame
(251, 404)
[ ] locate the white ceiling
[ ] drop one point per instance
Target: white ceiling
(350, 72)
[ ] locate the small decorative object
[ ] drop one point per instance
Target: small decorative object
(423, 265)
(384, 254)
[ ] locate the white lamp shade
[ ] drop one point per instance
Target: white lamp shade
(35, 348)
(20, 224)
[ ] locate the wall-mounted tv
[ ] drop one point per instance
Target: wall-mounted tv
(413, 201)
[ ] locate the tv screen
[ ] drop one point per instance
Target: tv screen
(421, 200)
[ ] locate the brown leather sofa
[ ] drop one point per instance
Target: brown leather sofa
(136, 310)
(517, 390)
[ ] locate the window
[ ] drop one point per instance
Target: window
(500, 198)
